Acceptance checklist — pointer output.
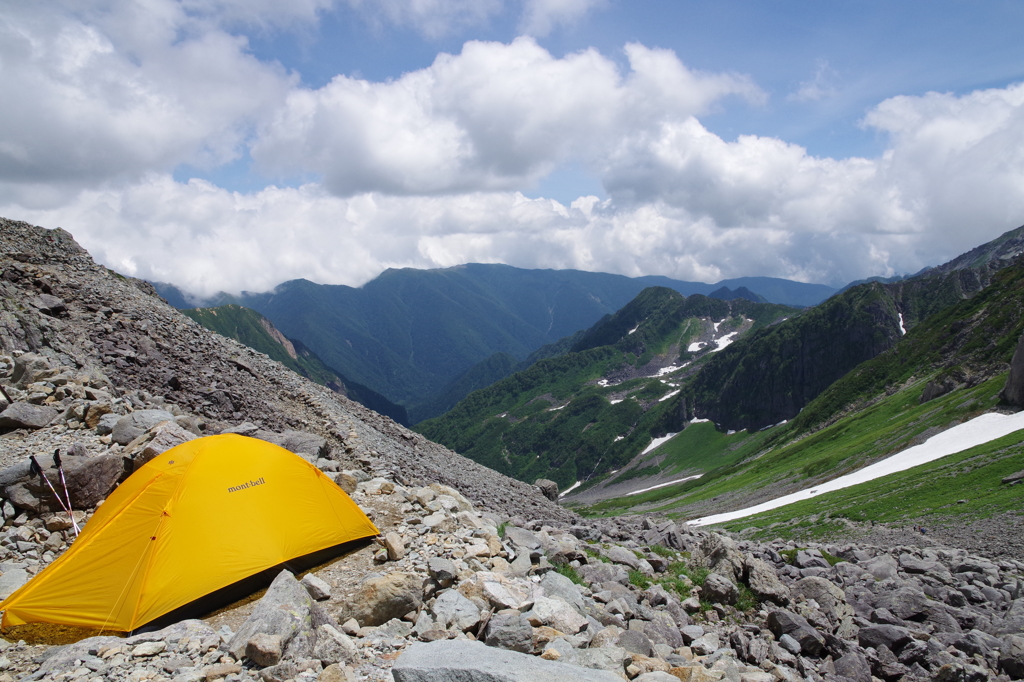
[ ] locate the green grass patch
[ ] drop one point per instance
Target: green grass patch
(638, 579)
(966, 485)
(570, 573)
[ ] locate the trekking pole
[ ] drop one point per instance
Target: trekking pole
(36, 469)
(67, 495)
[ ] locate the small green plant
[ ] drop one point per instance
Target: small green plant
(594, 554)
(570, 573)
(502, 527)
(747, 600)
(638, 579)
(638, 554)
(681, 586)
(663, 551)
(696, 574)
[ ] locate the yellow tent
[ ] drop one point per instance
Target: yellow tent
(193, 521)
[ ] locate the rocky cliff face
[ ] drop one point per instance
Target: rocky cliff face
(1013, 393)
(55, 301)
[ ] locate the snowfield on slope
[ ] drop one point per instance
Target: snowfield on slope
(977, 431)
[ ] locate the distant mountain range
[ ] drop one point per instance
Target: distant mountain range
(259, 333)
(634, 376)
(424, 338)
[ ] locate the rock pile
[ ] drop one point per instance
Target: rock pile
(641, 599)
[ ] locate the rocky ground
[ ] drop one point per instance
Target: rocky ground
(474, 576)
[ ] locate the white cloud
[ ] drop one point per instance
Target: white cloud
(493, 117)
(91, 101)
(540, 17)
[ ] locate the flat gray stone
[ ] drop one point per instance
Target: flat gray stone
(131, 426)
(463, 661)
(27, 416)
(11, 580)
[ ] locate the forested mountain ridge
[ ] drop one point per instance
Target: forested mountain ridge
(257, 332)
(414, 335)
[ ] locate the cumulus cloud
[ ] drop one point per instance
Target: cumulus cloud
(90, 99)
(493, 117)
(102, 102)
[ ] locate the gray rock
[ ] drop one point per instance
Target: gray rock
(1011, 656)
(509, 630)
(1013, 391)
(63, 659)
(636, 642)
(11, 580)
(810, 558)
(906, 602)
(891, 636)
(264, 649)
(719, 590)
(521, 538)
(763, 581)
(451, 608)
(381, 598)
(107, 423)
(601, 572)
(548, 488)
(131, 426)
(691, 632)
(660, 629)
(782, 622)
(853, 667)
(461, 661)
(297, 442)
(317, 588)
(557, 585)
(977, 642)
(441, 569)
(882, 567)
(333, 646)
(285, 610)
(27, 416)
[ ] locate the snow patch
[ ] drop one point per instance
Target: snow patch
(669, 395)
(698, 420)
(695, 346)
(662, 485)
(617, 439)
(671, 368)
(569, 489)
(903, 330)
(634, 328)
(724, 341)
(972, 433)
(664, 439)
(616, 402)
(556, 409)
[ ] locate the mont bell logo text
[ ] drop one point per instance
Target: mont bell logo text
(248, 484)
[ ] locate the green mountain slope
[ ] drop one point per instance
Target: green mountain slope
(252, 329)
(949, 368)
(413, 335)
(591, 410)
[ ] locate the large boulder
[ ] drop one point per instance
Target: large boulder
(380, 598)
(548, 488)
(462, 661)
(89, 480)
(27, 416)
(764, 582)
(783, 622)
(1013, 392)
(131, 426)
(286, 610)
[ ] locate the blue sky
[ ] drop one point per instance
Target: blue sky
(222, 144)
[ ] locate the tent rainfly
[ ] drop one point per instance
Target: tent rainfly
(194, 521)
